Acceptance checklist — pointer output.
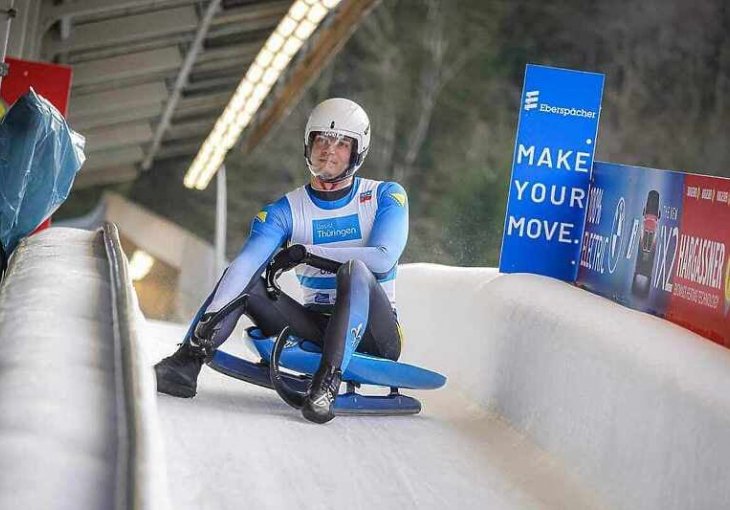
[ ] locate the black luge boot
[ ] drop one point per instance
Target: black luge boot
(319, 404)
(177, 375)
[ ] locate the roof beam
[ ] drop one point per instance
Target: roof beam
(203, 103)
(220, 83)
(127, 66)
(180, 82)
(103, 103)
(238, 64)
(110, 175)
(129, 29)
(151, 72)
(199, 106)
(176, 150)
(192, 129)
(249, 50)
(248, 13)
(135, 113)
(114, 157)
(329, 42)
(113, 137)
(82, 8)
(254, 34)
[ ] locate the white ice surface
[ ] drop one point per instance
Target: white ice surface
(238, 446)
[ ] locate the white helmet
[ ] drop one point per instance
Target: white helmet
(340, 117)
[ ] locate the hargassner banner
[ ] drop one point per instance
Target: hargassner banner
(658, 241)
(551, 167)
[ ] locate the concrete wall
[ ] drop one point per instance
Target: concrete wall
(164, 240)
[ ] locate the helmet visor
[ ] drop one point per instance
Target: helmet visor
(330, 154)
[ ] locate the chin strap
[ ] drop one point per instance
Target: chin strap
(334, 180)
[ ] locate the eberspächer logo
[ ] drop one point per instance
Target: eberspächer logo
(531, 99)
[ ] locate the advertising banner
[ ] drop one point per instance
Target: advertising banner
(700, 292)
(551, 165)
(656, 240)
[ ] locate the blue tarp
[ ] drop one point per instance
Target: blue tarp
(39, 157)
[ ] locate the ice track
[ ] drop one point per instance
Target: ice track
(557, 399)
(235, 445)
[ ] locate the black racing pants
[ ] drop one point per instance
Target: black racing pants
(356, 286)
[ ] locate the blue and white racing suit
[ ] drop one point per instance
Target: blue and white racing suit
(366, 229)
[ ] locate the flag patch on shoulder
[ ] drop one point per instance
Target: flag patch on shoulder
(366, 196)
(400, 198)
(261, 216)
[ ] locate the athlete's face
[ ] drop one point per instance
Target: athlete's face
(330, 154)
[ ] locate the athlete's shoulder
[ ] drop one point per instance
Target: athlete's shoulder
(276, 213)
(392, 193)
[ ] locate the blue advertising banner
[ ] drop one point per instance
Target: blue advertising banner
(551, 167)
(631, 235)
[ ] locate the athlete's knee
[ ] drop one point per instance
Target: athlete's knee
(353, 267)
(353, 273)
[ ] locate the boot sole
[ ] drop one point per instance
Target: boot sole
(311, 415)
(165, 385)
(176, 391)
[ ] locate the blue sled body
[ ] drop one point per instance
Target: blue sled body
(304, 357)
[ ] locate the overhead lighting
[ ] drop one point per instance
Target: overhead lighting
(264, 58)
(294, 29)
(291, 46)
(305, 29)
(280, 61)
(242, 120)
(287, 26)
(270, 77)
(298, 10)
(275, 42)
(254, 73)
(245, 87)
(259, 93)
(140, 265)
(317, 13)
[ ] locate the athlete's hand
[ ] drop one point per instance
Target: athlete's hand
(202, 337)
(283, 261)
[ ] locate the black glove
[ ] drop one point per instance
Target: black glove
(202, 339)
(283, 261)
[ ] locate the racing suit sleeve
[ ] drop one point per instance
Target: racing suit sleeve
(387, 239)
(271, 227)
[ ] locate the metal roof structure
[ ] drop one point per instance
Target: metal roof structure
(129, 66)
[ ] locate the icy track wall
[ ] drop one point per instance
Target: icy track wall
(638, 407)
(78, 424)
(635, 406)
